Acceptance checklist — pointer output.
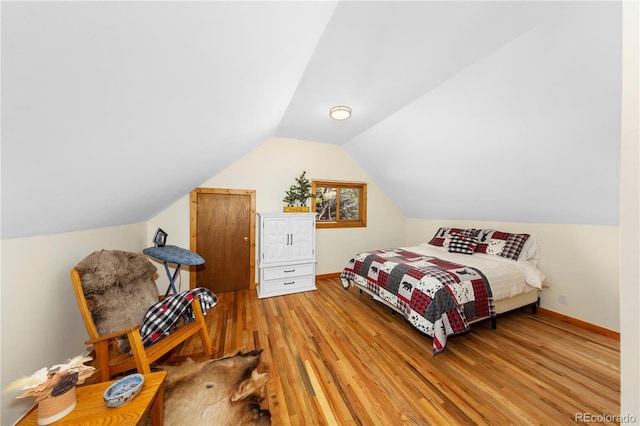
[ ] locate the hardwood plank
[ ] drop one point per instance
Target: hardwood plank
(335, 356)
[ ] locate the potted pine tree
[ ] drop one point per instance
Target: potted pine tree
(297, 195)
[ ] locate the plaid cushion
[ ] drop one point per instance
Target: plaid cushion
(500, 243)
(162, 318)
(514, 245)
(462, 244)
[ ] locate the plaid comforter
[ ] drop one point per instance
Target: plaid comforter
(437, 297)
(162, 318)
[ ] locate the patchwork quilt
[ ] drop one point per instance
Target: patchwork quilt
(438, 297)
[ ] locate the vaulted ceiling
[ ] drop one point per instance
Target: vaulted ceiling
(471, 110)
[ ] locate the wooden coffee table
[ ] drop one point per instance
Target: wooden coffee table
(91, 409)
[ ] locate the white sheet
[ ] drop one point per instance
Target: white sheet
(508, 278)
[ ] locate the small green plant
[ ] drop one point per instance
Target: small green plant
(290, 197)
(300, 192)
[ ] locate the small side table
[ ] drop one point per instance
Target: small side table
(173, 254)
(91, 409)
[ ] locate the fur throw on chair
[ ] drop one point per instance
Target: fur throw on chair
(119, 287)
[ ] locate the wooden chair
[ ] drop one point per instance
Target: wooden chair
(109, 361)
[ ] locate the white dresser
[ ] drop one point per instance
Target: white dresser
(287, 253)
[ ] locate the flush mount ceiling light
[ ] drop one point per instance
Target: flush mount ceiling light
(340, 112)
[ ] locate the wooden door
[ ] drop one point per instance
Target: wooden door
(223, 233)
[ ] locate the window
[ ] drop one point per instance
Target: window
(340, 204)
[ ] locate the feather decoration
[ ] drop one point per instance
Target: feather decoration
(29, 382)
(41, 383)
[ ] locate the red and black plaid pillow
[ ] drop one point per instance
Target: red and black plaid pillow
(464, 244)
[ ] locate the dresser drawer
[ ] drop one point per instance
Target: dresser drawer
(286, 285)
(279, 272)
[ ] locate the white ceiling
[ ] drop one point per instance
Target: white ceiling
(489, 110)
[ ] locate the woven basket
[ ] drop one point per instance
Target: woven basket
(54, 408)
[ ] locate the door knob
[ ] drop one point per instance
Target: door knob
(246, 238)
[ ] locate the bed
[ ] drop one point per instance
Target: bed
(459, 277)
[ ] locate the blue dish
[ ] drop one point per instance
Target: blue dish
(124, 390)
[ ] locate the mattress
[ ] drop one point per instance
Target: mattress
(507, 278)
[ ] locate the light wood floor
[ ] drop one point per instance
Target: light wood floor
(337, 357)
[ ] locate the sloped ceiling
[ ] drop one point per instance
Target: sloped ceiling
(471, 110)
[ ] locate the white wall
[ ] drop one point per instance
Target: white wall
(270, 169)
(579, 261)
(41, 322)
(630, 215)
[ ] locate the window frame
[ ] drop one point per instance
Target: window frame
(361, 222)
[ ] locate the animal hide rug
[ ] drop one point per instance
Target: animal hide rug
(225, 391)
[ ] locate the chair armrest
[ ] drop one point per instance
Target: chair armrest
(112, 335)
